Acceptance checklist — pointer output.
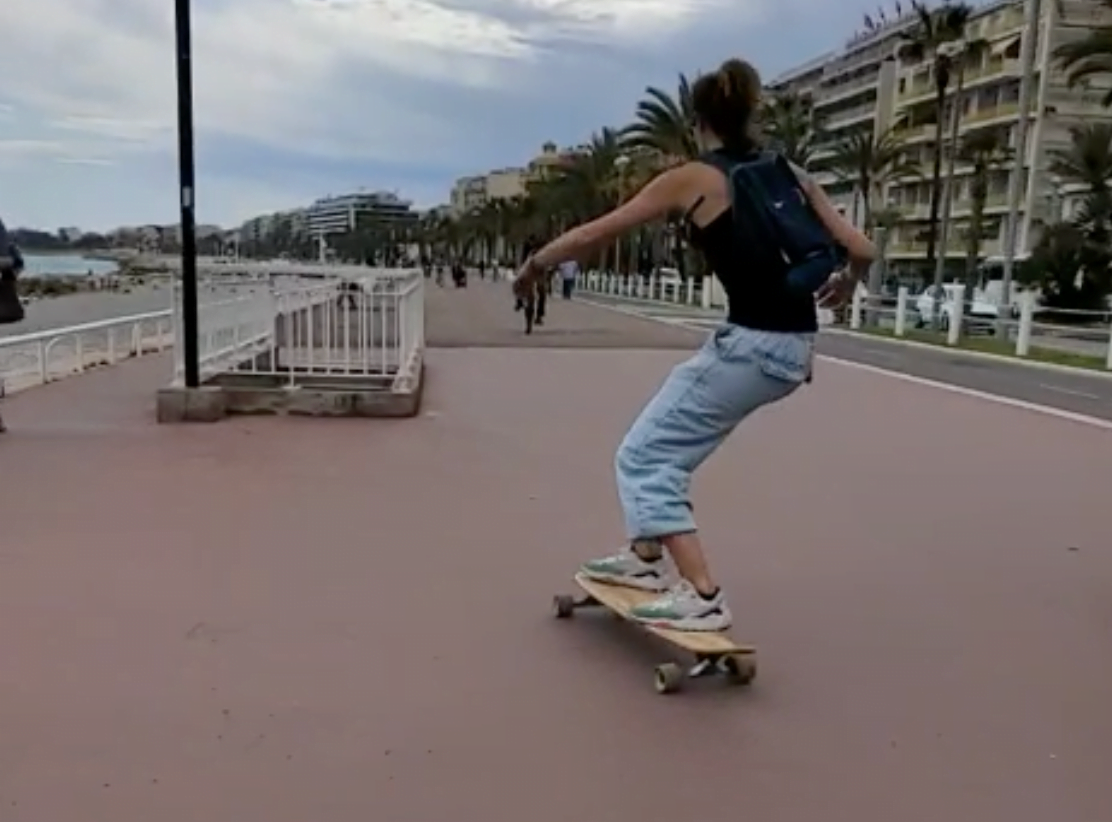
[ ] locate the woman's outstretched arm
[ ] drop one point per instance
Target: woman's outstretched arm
(659, 196)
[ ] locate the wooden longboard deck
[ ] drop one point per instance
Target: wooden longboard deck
(620, 599)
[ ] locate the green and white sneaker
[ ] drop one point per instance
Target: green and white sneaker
(685, 609)
(628, 569)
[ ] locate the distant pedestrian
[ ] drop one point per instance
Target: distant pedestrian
(569, 273)
(11, 308)
(534, 299)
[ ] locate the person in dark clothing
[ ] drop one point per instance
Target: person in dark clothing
(534, 300)
(759, 356)
(11, 310)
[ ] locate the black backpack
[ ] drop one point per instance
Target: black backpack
(771, 210)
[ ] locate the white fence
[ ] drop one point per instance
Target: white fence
(669, 289)
(28, 360)
(366, 325)
(370, 324)
(1074, 337)
(1087, 336)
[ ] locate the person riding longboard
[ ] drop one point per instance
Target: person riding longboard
(778, 246)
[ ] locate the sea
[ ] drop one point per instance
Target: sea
(45, 265)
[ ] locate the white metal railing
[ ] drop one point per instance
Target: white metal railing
(656, 287)
(28, 360)
(377, 330)
(1068, 337)
(368, 324)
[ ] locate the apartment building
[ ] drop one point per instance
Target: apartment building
(872, 86)
(506, 183)
(259, 229)
(470, 193)
(330, 216)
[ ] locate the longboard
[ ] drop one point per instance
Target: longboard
(715, 652)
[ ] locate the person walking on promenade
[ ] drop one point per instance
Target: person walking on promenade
(760, 355)
(11, 307)
(534, 298)
(569, 272)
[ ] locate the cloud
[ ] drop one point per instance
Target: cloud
(295, 99)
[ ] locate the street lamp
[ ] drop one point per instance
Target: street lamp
(186, 183)
(621, 163)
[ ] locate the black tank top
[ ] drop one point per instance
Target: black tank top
(757, 292)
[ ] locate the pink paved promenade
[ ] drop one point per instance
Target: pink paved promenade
(297, 620)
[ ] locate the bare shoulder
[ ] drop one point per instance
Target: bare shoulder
(684, 181)
(700, 177)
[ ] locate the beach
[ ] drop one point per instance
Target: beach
(90, 306)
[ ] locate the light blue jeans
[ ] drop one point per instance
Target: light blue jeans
(737, 371)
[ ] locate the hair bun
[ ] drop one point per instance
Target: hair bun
(739, 80)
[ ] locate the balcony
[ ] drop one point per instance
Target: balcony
(996, 68)
(915, 132)
(1001, 111)
(913, 91)
(841, 91)
(1005, 22)
(849, 117)
(960, 207)
(955, 247)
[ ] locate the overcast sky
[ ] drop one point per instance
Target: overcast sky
(296, 99)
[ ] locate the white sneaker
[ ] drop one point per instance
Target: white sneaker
(685, 609)
(628, 569)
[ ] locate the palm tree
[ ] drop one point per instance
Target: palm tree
(1088, 161)
(936, 29)
(870, 161)
(1089, 57)
(664, 124)
(985, 150)
(788, 123)
(964, 54)
(663, 133)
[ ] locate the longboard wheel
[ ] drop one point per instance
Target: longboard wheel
(563, 606)
(742, 670)
(669, 678)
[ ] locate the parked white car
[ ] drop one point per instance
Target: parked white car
(982, 309)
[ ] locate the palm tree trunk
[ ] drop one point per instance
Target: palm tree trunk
(936, 192)
(948, 188)
(973, 240)
(876, 275)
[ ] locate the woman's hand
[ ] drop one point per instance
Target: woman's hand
(837, 291)
(526, 278)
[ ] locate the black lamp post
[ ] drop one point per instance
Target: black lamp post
(186, 182)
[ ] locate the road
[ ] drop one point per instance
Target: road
(1067, 391)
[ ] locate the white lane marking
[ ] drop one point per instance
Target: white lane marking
(1073, 392)
(882, 353)
(999, 399)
